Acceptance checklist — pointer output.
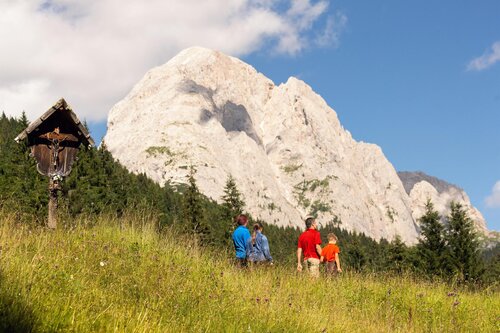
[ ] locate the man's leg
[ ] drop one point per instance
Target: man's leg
(313, 266)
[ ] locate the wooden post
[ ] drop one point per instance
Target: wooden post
(53, 182)
(53, 187)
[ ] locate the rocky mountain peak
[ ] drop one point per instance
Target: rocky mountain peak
(283, 145)
(422, 187)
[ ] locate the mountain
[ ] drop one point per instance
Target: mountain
(284, 146)
(421, 187)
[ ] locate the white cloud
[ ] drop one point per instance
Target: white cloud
(493, 200)
(304, 13)
(92, 51)
(331, 34)
(486, 60)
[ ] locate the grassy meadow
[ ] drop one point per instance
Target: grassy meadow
(121, 275)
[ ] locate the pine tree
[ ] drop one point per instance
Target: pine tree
(232, 197)
(233, 203)
(193, 209)
(355, 256)
(431, 246)
(397, 255)
(462, 245)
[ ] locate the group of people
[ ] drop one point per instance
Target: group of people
(250, 248)
(309, 248)
(254, 248)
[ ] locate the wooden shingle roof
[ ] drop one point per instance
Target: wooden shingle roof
(66, 117)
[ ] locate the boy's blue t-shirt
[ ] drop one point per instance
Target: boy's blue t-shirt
(240, 237)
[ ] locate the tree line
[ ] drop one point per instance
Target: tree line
(100, 185)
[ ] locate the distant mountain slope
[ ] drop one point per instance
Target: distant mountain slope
(421, 187)
(409, 179)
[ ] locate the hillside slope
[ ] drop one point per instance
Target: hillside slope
(121, 275)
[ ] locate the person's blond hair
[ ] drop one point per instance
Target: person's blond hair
(331, 236)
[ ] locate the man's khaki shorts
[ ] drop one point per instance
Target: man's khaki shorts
(312, 265)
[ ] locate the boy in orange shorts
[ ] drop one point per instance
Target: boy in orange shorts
(330, 255)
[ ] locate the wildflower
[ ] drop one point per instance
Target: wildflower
(456, 303)
(451, 294)
(102, 263)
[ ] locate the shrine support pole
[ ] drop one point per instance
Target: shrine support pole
(53, 187)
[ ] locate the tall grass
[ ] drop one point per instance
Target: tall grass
(122, 275)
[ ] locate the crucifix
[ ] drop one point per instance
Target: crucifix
(55, 177)
(54, 140)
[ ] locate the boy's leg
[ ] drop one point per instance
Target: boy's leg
(330, 267)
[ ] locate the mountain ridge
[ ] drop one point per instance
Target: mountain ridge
(283, 144)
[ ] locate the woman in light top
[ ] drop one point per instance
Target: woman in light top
(258, 247)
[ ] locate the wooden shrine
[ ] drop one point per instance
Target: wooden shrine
(54, 140)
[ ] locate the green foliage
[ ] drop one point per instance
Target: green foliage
(462, 245)
(172, 155)
(232, 202)
(398, 256)
(291, 168)
(21, 186)
(319, 206)
(193, 215)
(160, 150)
(431, 247)
(304, 187)
(391, 213)
(491, 257)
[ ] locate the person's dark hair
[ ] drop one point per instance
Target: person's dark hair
(309, 222)
(241, 219)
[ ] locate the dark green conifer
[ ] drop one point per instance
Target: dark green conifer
(431, 246)
(398, 256)
(462, 245)
(193, 209)
(233, 203)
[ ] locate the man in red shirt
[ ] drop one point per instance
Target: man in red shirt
(310, 246)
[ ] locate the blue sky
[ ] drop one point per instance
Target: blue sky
(421, 79)
(400, 78)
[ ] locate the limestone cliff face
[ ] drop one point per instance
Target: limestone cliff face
(421, 187)
(283, 144)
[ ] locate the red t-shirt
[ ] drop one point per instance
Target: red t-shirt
(308, 241)
(329, 252)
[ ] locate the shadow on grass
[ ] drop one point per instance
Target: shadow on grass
(15, 314)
